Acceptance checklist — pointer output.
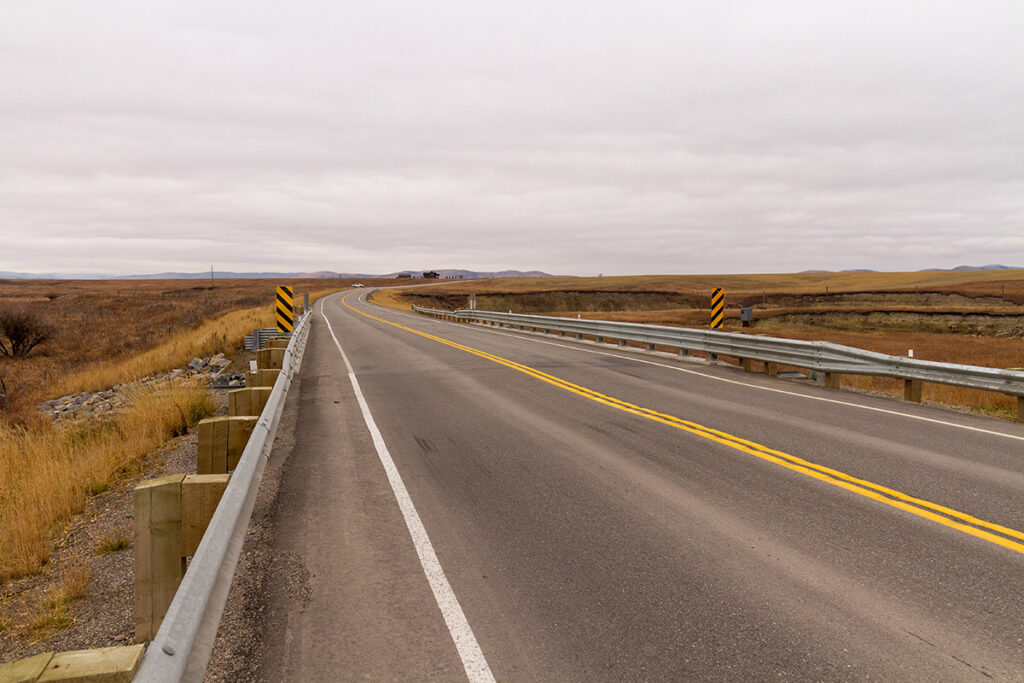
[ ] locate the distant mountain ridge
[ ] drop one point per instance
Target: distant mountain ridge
(325, 274)
(993, 266)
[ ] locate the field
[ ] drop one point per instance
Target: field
(107, 333)
(969, 317)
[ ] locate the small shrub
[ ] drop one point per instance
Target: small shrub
(113, 544)
(51, 620)
(200, 408)
(56, 614)
(74, 585)
(98, 487)
(21, 330)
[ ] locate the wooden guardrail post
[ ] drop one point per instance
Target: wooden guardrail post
(247, 402)
(200, 495)
(748, 364)
(833, 380)
(102, 665)
(772, 369)
(277, 343)
(262, 378)
(171, 515)
(158, 564)
(270, 358)
(912, 390)
(221, 441)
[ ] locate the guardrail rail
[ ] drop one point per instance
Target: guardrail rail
(826, 357)
(260, 336)
(182, 646)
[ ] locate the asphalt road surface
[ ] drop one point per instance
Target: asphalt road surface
(482, 503)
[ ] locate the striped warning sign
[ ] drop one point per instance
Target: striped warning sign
(285, 311)
(717, 308)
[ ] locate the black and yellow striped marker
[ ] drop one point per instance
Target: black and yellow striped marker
(285, 311)
(717, 308)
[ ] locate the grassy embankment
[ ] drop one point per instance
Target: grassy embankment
(47, 469)
(969, 317)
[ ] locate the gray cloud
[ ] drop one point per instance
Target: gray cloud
(575, 137)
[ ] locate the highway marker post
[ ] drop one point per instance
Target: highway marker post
(717, 308)
(717, 313)
(284, 310)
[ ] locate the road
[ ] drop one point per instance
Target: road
(481, 503)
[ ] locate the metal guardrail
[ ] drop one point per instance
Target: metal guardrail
(182, 646)
(258, 339)
(812, 355)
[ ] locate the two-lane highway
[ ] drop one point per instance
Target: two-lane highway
(465, 501)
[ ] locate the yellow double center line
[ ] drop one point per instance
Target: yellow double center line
(954, 519)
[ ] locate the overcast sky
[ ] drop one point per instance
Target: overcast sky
(571, 137)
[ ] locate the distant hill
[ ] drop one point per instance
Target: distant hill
(994, 266)
(474, 274)
(445, 273)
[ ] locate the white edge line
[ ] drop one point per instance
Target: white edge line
(469, 650)
(572, 347)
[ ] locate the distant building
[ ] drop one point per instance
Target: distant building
(431, 275)
(404, 275)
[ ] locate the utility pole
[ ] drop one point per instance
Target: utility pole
(211, 276)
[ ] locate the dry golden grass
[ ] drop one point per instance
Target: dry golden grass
(109, 330)
(47, 470)
(212, 336)
(107, 333)
(981, 282)
(392, 298)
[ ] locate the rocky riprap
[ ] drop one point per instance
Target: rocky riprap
(88, 404)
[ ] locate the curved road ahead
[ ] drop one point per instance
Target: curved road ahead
(529, 508)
